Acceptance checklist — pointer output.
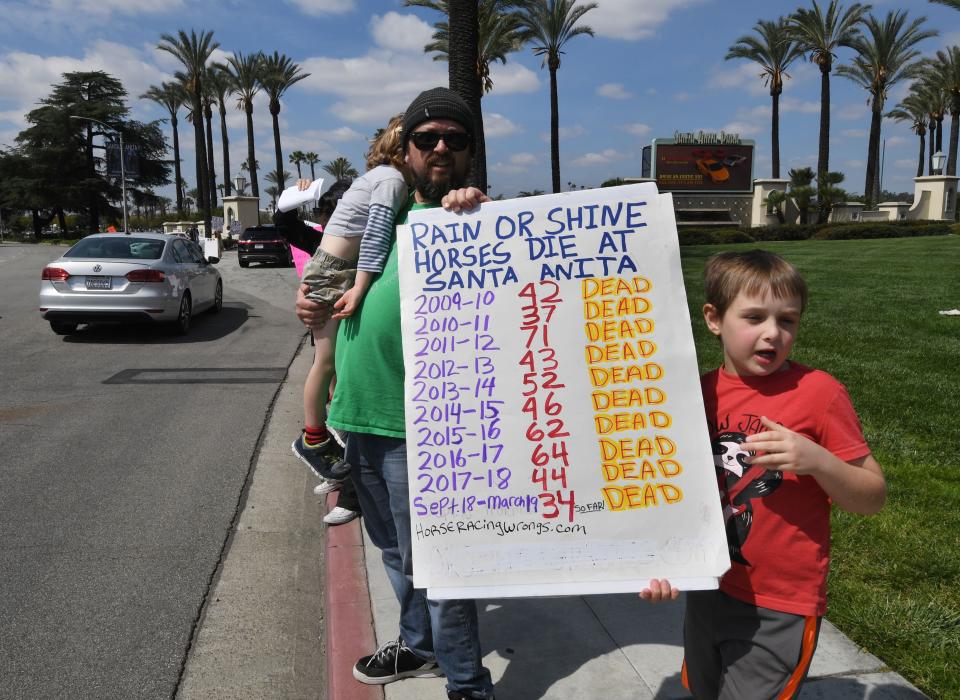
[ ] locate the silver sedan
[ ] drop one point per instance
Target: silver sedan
(112, 277)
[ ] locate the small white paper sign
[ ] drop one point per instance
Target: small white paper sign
(293, 197)
(556, 437)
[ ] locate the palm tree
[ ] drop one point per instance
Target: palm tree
(800, 190)
(955, 4)
(913, 110)
(341, 169)
(819, 34)
(885, 56)
(296, 158)
(277, 178)
(243, 72)
(774, 50)
(272, 191)
(277, 74)
(934, 98)
(170, 97)
(497, 35)
(549, 25)
(220, 85)
(311, 159)
(209, 98)
(947, 66)
(193, 52)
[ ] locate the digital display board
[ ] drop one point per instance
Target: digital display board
(697, 167)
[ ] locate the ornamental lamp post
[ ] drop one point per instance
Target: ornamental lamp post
(240, 184)
(938, 161)
(123, 172)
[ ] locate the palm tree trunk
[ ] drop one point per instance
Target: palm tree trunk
(225, 143)
(276, 145)
(940, 133)
(775, 133)
(251, 154)
(932, 148)
(873, 152)
(554, 128)
(200, 151)
(823, 158)
(923, 147)
(176, 165)
(954, 135)
(211, 167)
(464, 79)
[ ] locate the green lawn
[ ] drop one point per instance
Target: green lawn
(872, 322)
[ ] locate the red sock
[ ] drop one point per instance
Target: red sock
(315, 436)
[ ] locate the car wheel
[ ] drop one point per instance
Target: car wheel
(182, 324)
(63, 327)
(218, 298)
(243, 263)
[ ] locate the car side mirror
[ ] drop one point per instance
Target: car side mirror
(213, 260)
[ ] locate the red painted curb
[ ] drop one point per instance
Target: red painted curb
(349, 624)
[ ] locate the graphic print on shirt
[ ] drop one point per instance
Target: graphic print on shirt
(736, 491)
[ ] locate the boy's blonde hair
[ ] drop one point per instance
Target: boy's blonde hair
(387, 146)
(753, 272)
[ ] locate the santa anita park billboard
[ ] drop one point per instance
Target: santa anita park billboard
(703, 162)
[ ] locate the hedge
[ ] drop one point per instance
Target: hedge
(715, 235)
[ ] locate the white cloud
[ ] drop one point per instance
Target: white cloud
(632, 19)
(742, 128)
(565, 133)
(318, 8)
(26, 78)
(517, 163)
(513, 78)
(398, 32)
(906, 163)
(374, 87)
(614, 91)
(103, 8)
(738, 76)
(895, 141)
(792, 104)
(855, 133)
(495, 125)
(637, 129)
(603, 158)
(853, 111)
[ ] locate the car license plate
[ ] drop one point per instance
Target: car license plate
(98, 282)
(258, 245)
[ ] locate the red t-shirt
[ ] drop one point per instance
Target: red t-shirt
(778, 523)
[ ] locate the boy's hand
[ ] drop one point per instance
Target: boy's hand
(347, 304)
(463, 199)
(303, 184)
(786, 450)
(660, 591)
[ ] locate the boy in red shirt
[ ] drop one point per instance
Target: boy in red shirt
(787, 443)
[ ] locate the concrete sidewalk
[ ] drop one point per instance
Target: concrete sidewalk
(259, 636)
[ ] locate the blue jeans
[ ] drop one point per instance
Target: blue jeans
(445, 630)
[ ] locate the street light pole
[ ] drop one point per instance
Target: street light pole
(123, 170)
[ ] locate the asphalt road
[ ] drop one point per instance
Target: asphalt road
(119, 483)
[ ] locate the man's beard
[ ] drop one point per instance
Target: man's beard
(433, 191)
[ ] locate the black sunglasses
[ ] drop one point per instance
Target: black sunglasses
(428, 140)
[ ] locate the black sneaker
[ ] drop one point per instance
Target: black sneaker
(390, 663)
(319, 458)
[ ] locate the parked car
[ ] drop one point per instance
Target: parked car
(263, 244)
(117, 278)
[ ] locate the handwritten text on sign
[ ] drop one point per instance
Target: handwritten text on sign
(555, 429)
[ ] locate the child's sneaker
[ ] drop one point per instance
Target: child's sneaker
(339, 516)
(391, 662)
(338, 435)
(315, 457)
(326, 486)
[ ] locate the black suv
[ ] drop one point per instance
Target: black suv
(263, 244)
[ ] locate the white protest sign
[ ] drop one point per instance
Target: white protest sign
(556, 437)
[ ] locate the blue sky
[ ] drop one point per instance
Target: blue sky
(653, 68)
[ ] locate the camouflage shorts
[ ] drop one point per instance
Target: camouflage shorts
(328, 277)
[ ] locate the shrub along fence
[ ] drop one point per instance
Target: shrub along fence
(713, 235)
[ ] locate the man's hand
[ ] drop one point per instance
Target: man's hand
(660, 591)
(310, 313)
(463, 199)
(303, 184)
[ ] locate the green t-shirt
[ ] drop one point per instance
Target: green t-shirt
(369, 359)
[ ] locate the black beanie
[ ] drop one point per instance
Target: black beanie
(436, 103)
